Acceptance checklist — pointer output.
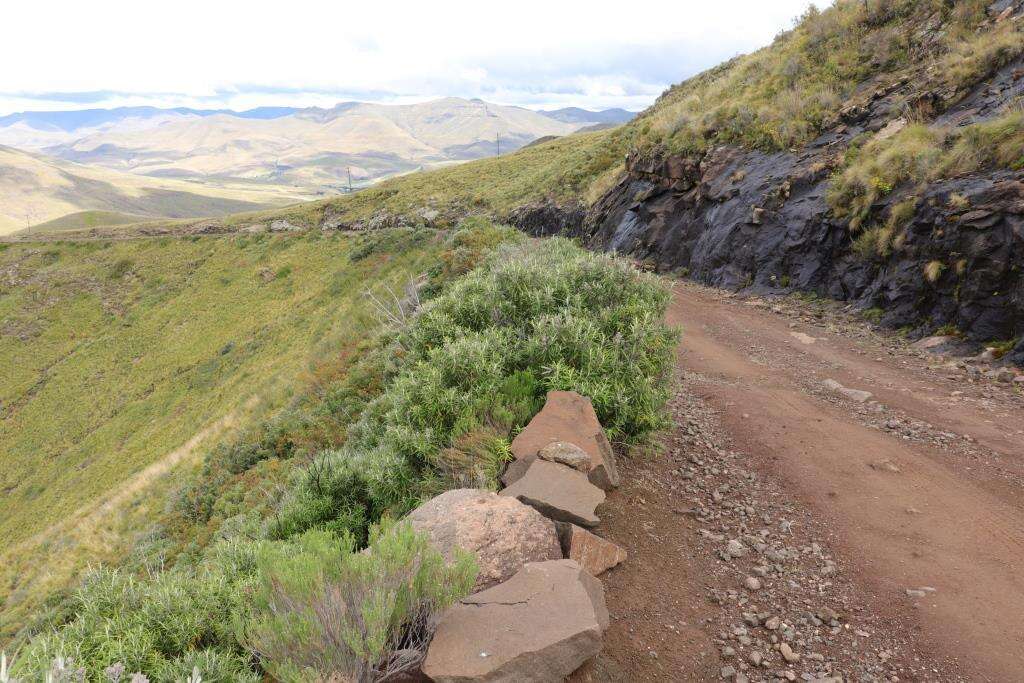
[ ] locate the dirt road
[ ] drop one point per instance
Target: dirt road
(887, 535)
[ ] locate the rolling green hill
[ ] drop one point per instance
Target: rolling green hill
(119, 354)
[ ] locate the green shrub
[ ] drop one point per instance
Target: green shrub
(430, 404)
(151, 626)
(323, 610)
(120, 268)
(535, 318)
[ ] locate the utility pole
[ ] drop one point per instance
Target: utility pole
(497, 143)
(349, 178)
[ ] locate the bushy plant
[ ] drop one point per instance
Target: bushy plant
(324, 611)
(155, 626)
(430, 404)
(535, 318)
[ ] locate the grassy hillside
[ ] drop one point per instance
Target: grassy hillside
(117, 354)
(787, 93)
(83, 220)
(429, 403)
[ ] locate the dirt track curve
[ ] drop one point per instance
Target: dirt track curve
(897, 524)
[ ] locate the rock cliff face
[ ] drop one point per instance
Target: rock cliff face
(738, 219)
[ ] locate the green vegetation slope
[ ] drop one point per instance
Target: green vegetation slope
(117, 355)
(429, 403)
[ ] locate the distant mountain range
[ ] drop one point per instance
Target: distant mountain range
(312, 149)
(35, 189)
(589, 118)
(70, 121)
(265, 154)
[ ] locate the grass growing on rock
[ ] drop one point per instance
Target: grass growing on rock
(786, 94)
(917, 155)
(430, 404)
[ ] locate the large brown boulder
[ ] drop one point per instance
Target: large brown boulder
(502, 532)
(558, 492)
(537, 627)
(567, 417)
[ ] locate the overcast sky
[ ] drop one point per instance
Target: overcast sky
(69, 54)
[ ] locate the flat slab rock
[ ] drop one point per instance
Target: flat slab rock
(595, 554)
(502, 532)
(567, 417)
(558, 492)
(537, 627)
(852, 394)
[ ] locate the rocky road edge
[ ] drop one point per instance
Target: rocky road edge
(539, 613)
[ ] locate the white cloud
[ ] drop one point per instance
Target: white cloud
(216, 53)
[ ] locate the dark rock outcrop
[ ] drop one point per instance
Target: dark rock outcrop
(747, 219)
(752, 220)
(546, 219)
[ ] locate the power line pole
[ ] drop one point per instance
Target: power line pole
(497, 143)
(349, 178)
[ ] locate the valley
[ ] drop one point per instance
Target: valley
(118, 354)
(139, 164)
(40, 190)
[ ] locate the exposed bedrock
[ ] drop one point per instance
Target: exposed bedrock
(749, 220)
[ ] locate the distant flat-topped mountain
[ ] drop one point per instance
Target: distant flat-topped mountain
(315, 148)
(589, 118)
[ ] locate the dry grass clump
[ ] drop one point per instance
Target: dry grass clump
(933, 270)
(787, 93)
(974, 56)
(917, 155)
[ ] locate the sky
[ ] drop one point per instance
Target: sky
(69, 54)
